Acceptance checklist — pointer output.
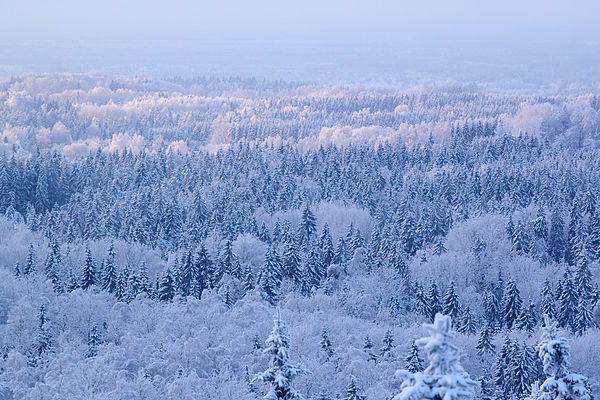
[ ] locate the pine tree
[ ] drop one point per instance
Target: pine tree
(548, 307)
(556, 237)
(326, 344)
(527, 321)
(521, 380)
(30, 265)
(53, 262)
(308, 225)
(110, 277)
(326, 246)
(433, 301)
(270, 277)
(388, 344)
(583, 282)
(292, 267)
(485, 345)
(419, 304)
(353, 391)
(248, 279)
(43, 341)
(593, 242)
(568, 301)
(502, 369)
(451, 303)
(88, 278)
(512, 304)
(94, 340)
(486, 392)
(584, 319)
(466, 325)
(229, 261)
(166, 288)
(444, 378)
(493, 310)
(561, 383)
(184, 273)
(280, 374)
(204, 275)
(574, 234)
(414, 363)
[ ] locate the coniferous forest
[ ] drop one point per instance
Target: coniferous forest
(229, 238)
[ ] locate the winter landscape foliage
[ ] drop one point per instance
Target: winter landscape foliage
(151, 229)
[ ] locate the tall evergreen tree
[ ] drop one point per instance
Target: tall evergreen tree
(512, 304)
(110, 276)
(88, 277)
(30, 265)
(353, 391)
(308, 225)
(561, 383)
(568, 301)
(388, 344)
(413, 362)
(451, 303)
(280, 373)
(166, 287)
(485, 344)
(548, 300)
(434, 305)
(270, 277)
(326, 344)
(444, 378)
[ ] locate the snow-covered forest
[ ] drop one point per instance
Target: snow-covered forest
(151, 229)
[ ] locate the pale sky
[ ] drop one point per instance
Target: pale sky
(282, 20)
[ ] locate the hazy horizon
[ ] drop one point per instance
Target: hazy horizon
(540, 46)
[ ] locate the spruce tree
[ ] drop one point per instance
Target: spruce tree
(94, 340)
(561, 383)
(584, 318)
(326, 344)
(110, 277)
(413, 362)
(326, 247)
(43, 342)
(353, 391)
(270, 277)
(451, 303)
(166, 287)
(433, 301)
(280, 374)
(88, 277)
(556, 237)
(444, 378)
(388, 344)
(548, 307)
(569, 299)
(502, 369)
(292, 267)
(527, 321)
(308, 225)
(485, 344)
(512, 304)
(53, 263)
(30, 265)
(466, 324)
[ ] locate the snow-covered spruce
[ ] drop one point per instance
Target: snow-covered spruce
(561, 383)
(280, 374)
(444, 378)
